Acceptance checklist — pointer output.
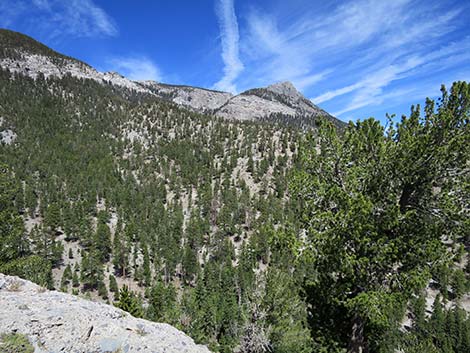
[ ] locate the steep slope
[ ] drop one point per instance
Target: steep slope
(22, 54)
(59, 322)
(131, 190)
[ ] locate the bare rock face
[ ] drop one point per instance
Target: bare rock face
(195, 98)
(33, 64)
(7, 136)
(251, 107)
(59, 322)
(285, 88)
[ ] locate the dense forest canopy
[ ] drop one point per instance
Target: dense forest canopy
(248, 236)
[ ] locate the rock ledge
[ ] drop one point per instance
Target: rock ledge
(59, 322)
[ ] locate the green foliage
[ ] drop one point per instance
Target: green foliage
(113, 286)
(162, 304)
(102, 241)
(102, 290)
(66, 278)
(459, 283)
(33, 268)
(13, 243)
(44, 244)
(446, 331)
(15, 343)
(286, 314)
(204, 224)
(129, 302)
(91, 271)
(376, 205)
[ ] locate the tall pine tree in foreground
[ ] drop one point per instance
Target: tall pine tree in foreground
(376, 205)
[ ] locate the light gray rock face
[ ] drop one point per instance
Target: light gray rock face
(7, 136)
(251, 107)
(195, 98)
(59, 322)
(33, 64)
(280, 98)
(285, 88)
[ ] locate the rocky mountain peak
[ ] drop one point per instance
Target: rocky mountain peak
(285, 88)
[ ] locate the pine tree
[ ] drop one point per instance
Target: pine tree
(91, 272)
(66, 278)
(103, 241)
(370, 210)
(459, 283)
(13, 242)
(121, 254)
(75, 279)
(102, 290)
(129, 302)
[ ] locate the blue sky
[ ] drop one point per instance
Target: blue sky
(355, 58)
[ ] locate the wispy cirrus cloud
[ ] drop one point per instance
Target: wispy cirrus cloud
(298, 50)
(135, 67)
(229, 37)
(358, 53)
(57, 18)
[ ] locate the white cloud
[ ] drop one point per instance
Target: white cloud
(371, 90)
(372, 85)
(229, 36)
(58, 18)
(361, 52)
(81, 18)
(297, 51)
(135, 68)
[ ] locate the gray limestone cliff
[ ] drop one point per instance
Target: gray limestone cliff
(58, 322)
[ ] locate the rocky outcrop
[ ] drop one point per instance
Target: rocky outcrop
(59, 322)
(251, 107)
(198, 99)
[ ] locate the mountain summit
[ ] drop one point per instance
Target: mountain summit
(285, 88)
(22, 54)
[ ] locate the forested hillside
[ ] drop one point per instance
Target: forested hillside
(248, 236)
(121, 190)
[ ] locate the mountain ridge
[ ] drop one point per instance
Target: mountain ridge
(23, 54)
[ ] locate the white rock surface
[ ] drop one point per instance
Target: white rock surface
(59, 322)
(281, 98)
(198, 99)
(250, 107)
(33, 64)
(7, 136)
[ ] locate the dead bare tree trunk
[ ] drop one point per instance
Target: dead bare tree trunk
(357, 342)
